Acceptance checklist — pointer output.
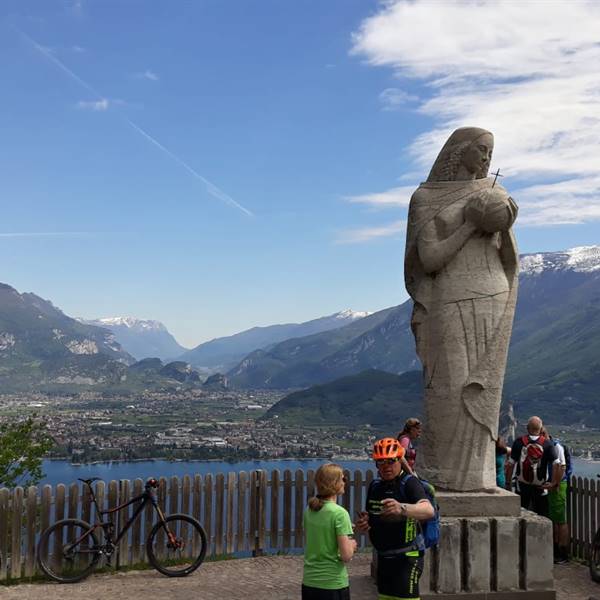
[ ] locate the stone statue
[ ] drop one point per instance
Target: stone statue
(461, 270)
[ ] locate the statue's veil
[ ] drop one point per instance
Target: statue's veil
(449, 159)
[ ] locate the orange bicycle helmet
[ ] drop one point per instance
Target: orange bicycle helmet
(387, 448)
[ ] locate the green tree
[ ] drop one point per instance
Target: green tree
(23, 445)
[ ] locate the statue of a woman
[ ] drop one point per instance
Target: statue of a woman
(461, 269)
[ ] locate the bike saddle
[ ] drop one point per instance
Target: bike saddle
(90, 480)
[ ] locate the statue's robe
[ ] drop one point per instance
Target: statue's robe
(462, 331)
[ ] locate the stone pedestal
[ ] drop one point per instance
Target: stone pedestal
(490, 558)
(497, 502)
(485, 558)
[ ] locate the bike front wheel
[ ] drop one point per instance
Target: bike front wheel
(176, 547)
(595, 558)
(68, 550)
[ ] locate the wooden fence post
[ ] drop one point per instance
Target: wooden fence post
(185, 509)
(230, 529)
(45, 508)
(587, 542)
(197, 508)
(580, 519)
(262, 509)
(4, 514)
(219, 498)
(136, 528)
(594, 507)
(274, 535)
(17, 515)
(208, 507)
(255, 513)
(242, 516)
(287, 509)
(123, 551)
(299, 509)
(347, 491)
(31, 526)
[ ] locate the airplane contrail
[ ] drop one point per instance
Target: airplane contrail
(211, 188)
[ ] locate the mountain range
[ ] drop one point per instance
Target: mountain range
(554, 357)
(39, 343)
(141, 338)
(225, 352)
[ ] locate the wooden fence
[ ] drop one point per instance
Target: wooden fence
(242, 512)
(583, 514)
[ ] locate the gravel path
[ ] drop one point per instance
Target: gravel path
(274, 577)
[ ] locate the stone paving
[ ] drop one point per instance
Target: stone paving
(270, 577)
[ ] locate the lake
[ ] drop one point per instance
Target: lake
(58, 471)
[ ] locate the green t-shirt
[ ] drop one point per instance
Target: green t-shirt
(323, 567)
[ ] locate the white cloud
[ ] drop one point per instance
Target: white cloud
(524, 70)
(394, 197)
(367, 234)
(568, 202)
(95, 105)
(394, 98)
(148, 74)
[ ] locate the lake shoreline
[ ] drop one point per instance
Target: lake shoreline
(57, 471)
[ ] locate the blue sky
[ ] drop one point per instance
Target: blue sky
(217, 165)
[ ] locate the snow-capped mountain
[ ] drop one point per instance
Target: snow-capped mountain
(582, 259)
(554, 358)
(142, 338)
(351, 315)
(131, 323)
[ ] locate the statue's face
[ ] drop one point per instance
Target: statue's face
(478, 155)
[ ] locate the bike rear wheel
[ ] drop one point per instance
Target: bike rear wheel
(68, 550)
(177, 547)
(595, 558)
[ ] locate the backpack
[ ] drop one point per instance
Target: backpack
(430, 529)
(530, 461)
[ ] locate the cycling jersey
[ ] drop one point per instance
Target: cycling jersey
(399, 553)
(391, 535)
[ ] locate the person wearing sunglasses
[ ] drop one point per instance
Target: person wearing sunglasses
(394, 508)
(329, 541)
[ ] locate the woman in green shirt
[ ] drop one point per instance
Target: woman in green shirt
(328, 539)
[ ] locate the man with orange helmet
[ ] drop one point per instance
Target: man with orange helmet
(394, 508)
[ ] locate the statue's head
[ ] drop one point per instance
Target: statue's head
(465, 155)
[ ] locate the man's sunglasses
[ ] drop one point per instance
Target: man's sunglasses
(386, 461)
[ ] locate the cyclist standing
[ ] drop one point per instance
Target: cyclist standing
(394, 507)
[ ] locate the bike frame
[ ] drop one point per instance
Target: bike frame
(146, 497)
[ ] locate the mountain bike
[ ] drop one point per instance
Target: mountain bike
(595, 556)
(69, 550)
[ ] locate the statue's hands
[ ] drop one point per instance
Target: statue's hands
(475, 210)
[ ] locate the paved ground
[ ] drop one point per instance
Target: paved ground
(274, 577)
